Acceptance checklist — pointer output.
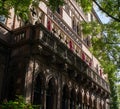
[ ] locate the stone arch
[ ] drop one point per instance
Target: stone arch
(65, 96)
(79, 99)
(73, 97)
(51, 77)
(51, 94)
(38, 89)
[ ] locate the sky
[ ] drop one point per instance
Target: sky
(102, 16)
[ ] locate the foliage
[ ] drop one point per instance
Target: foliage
(91, 28)
(118, 89)
(107, 53)
(21, 7)
(86, 4)
(54, 4)
(110, 7)
(107, 50)
(107, 47)
(19, 103)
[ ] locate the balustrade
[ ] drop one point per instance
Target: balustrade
(54, 43)
(21, 34)
(76, 60)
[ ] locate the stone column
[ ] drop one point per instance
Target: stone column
(95, 102)
(100, 104)
(90, 101)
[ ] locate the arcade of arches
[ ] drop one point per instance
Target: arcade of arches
(55, 89)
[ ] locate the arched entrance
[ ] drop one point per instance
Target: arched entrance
(51, 94)
(65, 97)
(79, 100)
(38, 91)
(73, 99)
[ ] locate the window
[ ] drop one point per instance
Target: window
(59, 10)
(78, 29)
(87, 41)
(67, 9)
(74, 26)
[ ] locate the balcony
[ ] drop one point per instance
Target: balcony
(39, 35)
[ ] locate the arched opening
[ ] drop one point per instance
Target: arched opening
(38, 91)
(79, 100)
(11, 89)
(51, 95)
(65, 97)
(73, 99)
(86, 102)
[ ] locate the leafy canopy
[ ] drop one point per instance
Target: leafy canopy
(107, 47)
(21, 7)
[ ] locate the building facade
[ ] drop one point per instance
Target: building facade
(47, 60)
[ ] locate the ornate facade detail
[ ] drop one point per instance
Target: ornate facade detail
(49, 63)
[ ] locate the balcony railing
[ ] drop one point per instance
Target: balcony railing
(47, 39)
(65, 33)
(71, 57)
(21, 34)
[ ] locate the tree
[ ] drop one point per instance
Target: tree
(110, 7)
(118, 87)
(21, 7)
(106, 49)
(109, 42)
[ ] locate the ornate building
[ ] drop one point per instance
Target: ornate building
(49, 62)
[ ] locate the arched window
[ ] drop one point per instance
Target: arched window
(79, 100)
(51, 95)
(38, 90)
(73, 99)
(65, 97)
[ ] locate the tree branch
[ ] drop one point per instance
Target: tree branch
(116, 19)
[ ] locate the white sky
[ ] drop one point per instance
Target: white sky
(103, 17)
